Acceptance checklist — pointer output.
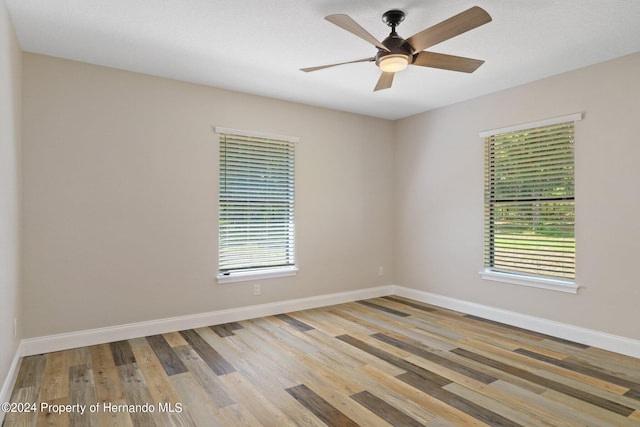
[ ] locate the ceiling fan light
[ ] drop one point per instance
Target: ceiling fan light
(394, 63)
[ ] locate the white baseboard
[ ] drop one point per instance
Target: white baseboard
(10, 380)
(88, 337)
(603, 340)
(578, 334)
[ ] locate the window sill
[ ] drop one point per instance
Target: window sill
(244, 276)
(559, 285)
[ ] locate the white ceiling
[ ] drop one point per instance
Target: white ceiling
(258, 46)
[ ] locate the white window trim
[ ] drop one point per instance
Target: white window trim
(567, 286)
(240, 132)
(249, 275)
(548, 122)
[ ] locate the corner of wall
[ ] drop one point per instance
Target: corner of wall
(10, 141)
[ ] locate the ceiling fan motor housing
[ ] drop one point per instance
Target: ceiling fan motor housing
(396, 47)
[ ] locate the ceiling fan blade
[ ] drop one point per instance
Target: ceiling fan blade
(447, 62)
(320, 67)
(384, 82)
(346, 23)
(456, 25)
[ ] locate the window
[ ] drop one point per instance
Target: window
(256, 205)
(530, 205)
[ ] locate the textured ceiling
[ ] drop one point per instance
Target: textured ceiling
(258, 46)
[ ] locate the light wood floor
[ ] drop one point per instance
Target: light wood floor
(384, 361)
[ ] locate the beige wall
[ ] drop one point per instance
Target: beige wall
(10, 64)
(439, 197)
(120, 197)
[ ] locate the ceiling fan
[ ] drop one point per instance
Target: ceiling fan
(395, 53)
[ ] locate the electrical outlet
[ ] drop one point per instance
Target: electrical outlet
(256, 288)
(381, 271)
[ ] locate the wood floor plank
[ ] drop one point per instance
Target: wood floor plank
(320, 407)
(114, 418)
(82, 392)
(345, 316)
(320, 321)
(170, 361)
(79, 356)
(49, 418)
(122, 354)
(274, 358)
(196, 402)
(410, 303)
(282, 332)
(294, 322)
(226, 329)
(439, 422)
(174, 339)
(384, 309)
(204, 376)
(231, 348)
(136, 394)
(237, 415)
(29, 395)
(31, 371)
(55, 379)
(242, 390)
(633, 394)
(211, 357)
(160, 387)
(389, 413)
(108, 386)
(101, 357)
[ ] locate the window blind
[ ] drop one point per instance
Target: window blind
(256, 203)
(529, 201)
